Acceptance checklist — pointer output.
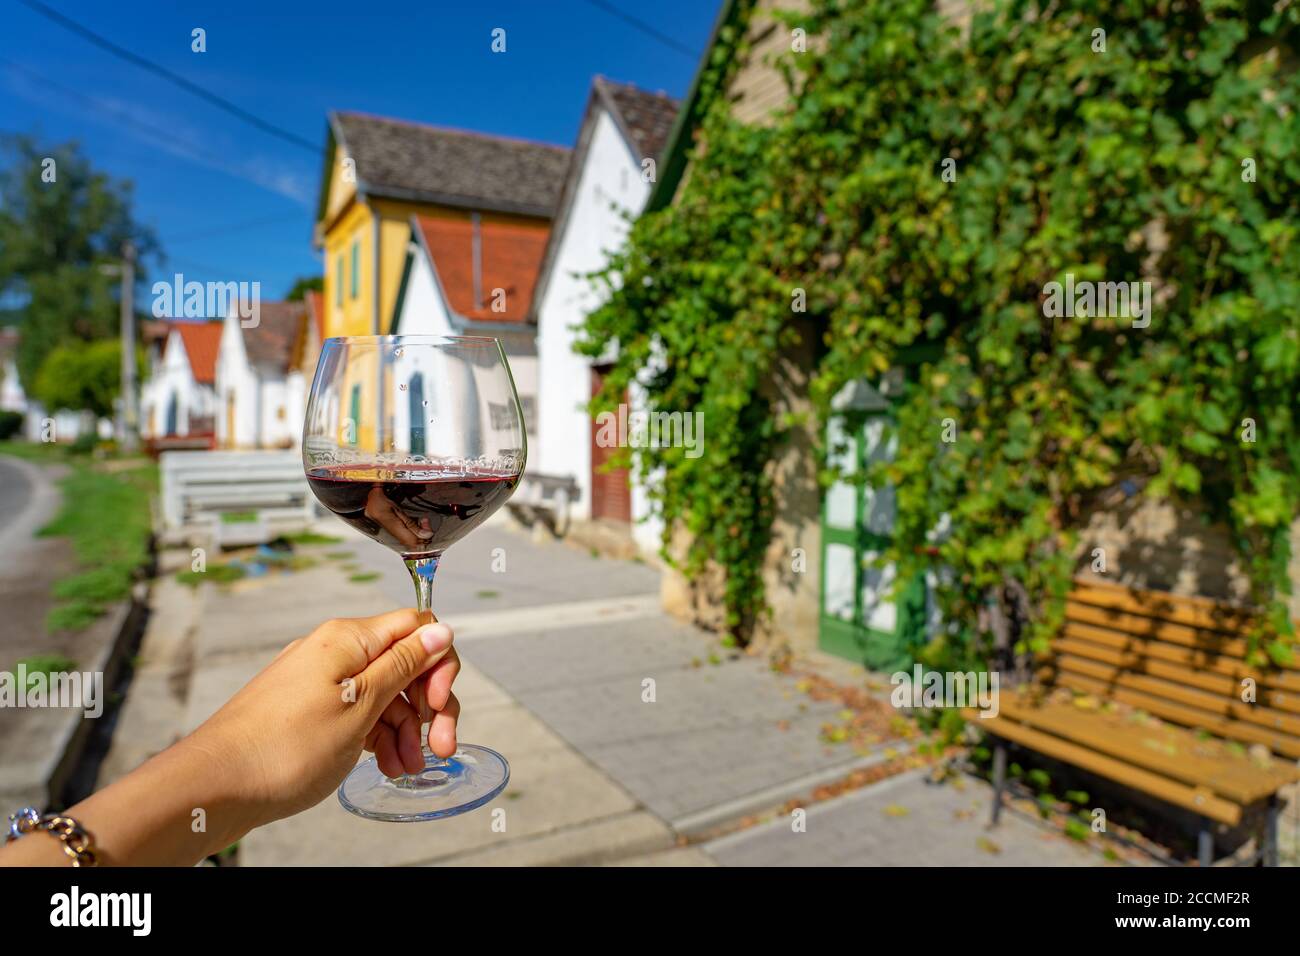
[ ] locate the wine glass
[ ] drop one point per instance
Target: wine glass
(415, 440)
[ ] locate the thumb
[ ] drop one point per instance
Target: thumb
(403, 661)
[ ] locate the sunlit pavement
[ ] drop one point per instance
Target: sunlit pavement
(627, 732)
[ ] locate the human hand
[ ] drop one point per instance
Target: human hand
(294, 732)
(408, 533)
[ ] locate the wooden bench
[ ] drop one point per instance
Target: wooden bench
(1156, 684)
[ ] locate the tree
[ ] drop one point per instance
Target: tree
(304, 284)
(61, 221)
(81, 376)
(925, 190)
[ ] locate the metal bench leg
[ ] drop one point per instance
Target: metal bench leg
(1270, 831)
(999, 778)
(1205, 843)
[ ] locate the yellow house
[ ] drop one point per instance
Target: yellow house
(379, 172)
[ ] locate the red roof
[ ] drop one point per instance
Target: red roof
(511, 254)
(202, 342)
(316, 312)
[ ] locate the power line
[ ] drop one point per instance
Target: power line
(194, 152)
(641, 25)
(189, 86)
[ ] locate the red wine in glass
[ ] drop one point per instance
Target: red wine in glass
(410, 508)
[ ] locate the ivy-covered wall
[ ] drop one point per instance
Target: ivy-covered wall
(929, 188)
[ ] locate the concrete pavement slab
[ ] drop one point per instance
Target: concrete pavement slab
(499, 566)
(714, 734)
(550, 789)
(903, 821)
(678, 856)
(636, 834)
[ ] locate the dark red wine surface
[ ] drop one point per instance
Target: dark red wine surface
(414, 511)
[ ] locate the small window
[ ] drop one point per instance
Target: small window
(356, 262)
(338, 280)
(354, 416)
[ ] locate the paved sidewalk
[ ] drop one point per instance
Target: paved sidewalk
(561, 652)
(557, 809)
(723, 735)
(903, 821)
(33, 740)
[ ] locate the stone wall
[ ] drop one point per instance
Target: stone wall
(1167, 547)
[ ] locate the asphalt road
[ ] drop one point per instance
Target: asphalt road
(29, 565)
(15, 491)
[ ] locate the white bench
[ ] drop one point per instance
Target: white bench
(200, 487)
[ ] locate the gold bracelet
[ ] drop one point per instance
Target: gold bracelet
(77, 843)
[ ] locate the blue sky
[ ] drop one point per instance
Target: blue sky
(230, 202)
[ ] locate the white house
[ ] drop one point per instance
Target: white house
(12, 396)
(63, 425)
(467, 274)
(255, 403)
(623, 133)
(180, 399)
(303, 358)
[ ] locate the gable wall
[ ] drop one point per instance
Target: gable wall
(610, 173)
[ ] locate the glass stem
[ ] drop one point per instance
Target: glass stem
(422, 571)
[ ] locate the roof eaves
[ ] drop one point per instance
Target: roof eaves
(611, 104)
(380, 191)
(512, 333)
(332, 138)
(679, 139)
(414, 245)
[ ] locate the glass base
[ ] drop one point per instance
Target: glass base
(463, 782)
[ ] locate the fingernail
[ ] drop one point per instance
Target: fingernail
(435, 637)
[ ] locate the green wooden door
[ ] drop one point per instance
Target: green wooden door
(864, 615)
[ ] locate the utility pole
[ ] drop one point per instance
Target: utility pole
(130, 431)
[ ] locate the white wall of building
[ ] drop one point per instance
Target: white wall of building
(174, 378)
(425, 312)
(276, 429)
(610, 176)
(297, 387)
(12, 396)
(237, 385)
(267, 411)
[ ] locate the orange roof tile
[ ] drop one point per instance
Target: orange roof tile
(202, 341)
(511, 254)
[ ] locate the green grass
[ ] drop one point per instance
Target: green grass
(46, 664)
(40, 453)
(238, 517)
(363, 577)
(487, 593)
(311, 537)
(217, 574)
(105, 516)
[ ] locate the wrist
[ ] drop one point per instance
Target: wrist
(182, 805)
(215, 794)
